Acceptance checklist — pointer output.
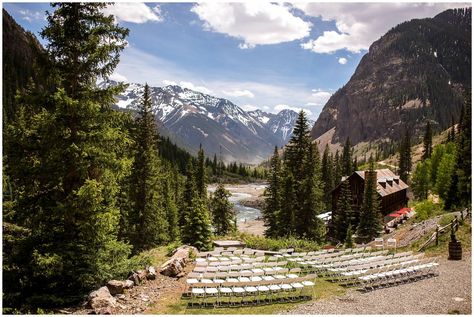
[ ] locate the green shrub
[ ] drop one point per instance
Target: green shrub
(427, 209)
(262, 243)
(172, 246)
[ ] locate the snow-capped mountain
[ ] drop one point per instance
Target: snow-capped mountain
(280, 124)
(192, 118)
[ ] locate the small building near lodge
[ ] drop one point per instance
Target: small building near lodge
(391, 189)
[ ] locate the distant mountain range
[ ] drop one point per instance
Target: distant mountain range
(418, 71)
(191, 118)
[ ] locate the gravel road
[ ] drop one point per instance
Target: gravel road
(450, 292)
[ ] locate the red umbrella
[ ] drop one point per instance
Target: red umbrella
(394, 215)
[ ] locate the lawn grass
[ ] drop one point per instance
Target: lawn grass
(322, 289)
(157, 255)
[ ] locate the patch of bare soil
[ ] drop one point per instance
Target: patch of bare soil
(255, 227)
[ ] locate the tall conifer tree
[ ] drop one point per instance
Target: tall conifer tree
(147, 216)
(273, 196)
(427, 142)
(370, 222)
(222, 211)
(66, 157)
(405, 157)
(327, 173)
(343, 213)
(347, 166)
(201, 177)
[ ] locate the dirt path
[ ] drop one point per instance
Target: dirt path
(448, 293)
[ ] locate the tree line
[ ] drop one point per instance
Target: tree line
(87, 188)
(445, 170)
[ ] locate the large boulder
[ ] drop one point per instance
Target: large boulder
(116, 287)
(177, 263)
(101, 300)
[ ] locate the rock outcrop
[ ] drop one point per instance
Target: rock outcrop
(176, 264)
(102, 301)
(417, 71)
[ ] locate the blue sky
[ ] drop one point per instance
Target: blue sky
(260, 55)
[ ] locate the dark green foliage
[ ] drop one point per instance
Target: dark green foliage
(347, 166)
(342, 216)
(147, 217)
(287, 217)
(337, 169)
(222, 211)
(188, 195)
(197, 228)
(427, 142)
(404, 164)
(201, 178)
(65, 156)
(348, 241)
(308, 225)
(170, 207)
(459, 193)
(327, 176)
(370, 222)
(273, 197)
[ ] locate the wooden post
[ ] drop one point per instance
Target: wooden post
(437, 234)
(462, 215)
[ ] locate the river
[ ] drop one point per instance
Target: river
(243, 192)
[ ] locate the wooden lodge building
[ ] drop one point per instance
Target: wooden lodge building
(391, 189)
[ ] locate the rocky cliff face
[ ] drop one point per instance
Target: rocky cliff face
(416, 72)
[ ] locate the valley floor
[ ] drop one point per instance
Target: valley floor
(448, 293)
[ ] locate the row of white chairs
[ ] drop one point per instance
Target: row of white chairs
(227, 267)
(344, 273)
(250, 292)
(398, 274)
(328, 269)
(243, 276)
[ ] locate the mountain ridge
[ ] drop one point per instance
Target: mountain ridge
(192, 118)
(418, 71)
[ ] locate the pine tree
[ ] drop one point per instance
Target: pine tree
(287, 217)
(214, 165)
(201, 177)
(197, 229)
(370, 222)
(273, 197)
(297, 147)
(307, 224)
(343, 213)
(189, 193)
(169, 205)
(327, 177)
(421, 180)
(337, 169)
(222, 211)
(459, 193)
(427, 142)
(347, 159)
(147, 216)
(405, 157)
(66, 156)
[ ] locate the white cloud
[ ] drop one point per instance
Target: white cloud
(117, 77)
(342, 60)
(190, 85)
(360, 24)
(256, 23)
(281, 107)
(239, 93)
(169, 82)
(318, 97)
(249, 107)
(134, 12)
(266, 108)
(31, 16)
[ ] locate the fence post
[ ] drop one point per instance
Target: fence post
(462, 215)
(437, 234)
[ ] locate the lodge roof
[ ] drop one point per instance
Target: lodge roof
(387, 182)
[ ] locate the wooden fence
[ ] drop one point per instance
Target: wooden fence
(454, 224)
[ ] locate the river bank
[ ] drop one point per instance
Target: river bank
(247, 200)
